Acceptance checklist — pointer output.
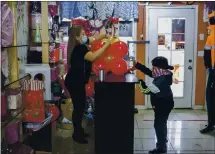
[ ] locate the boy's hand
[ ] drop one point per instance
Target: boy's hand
(143, 88)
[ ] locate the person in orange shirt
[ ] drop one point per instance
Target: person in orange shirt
(209, 61)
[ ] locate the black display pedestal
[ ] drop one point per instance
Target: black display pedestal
(114, 121)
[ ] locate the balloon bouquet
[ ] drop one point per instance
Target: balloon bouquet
(111, 61)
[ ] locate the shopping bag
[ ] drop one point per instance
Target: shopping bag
(33, 99)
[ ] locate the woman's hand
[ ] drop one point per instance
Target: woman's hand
(107, 42)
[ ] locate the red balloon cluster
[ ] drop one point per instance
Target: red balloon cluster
(112, 59)
(89, 88)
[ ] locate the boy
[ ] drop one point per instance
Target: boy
(161, 98)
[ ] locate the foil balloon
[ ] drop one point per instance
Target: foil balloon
(98, 65)
(96, 45)
(107, 62)
(89, 88)
(118, 66)
(113, 39)
(118, 49)
(55, 111)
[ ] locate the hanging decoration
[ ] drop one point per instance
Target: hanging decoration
(20, 12)
(7, 25)
(104, 10)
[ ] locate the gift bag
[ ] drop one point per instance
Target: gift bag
(33, 99)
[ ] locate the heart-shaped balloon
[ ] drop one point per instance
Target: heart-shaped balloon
(118, 66)
(118, 49)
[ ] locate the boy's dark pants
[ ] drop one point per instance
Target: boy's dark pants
(162, 108)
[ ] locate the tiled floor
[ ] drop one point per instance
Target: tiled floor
(183, 134)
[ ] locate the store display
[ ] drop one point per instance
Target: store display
(7, 25)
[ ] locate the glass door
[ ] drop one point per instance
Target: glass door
(171, 35)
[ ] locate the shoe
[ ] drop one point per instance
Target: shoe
(79, 139)
(158, 151)
(208, 129)
(135, 110)
(86, 134)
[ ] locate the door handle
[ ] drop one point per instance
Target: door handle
(190, 67)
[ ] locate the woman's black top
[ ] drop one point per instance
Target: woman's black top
(80, 69)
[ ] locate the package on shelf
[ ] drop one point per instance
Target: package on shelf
(63, 50)
(54, 55)
(33, 99)
(61, 69)
(36, 18)
(54, 73)
(14, 98)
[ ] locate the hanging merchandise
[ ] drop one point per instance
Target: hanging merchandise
(74, 9)
(5, 63)
(54, 54)
(126, 10)
(35, 7)
(53, 10)
(37, 37)
(7, 25)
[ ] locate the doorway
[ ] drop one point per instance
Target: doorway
(172, 33)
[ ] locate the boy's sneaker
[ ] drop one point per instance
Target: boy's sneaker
(158, 151)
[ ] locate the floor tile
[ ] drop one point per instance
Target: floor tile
(138, 144)
(147, 133)
(192, 144)
(149, 144)
(187, 133)
(136, 133)
(145, 124)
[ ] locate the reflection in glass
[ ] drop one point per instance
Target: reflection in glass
(164, 25)
(178, 41)
(178, 74)
(178, 25)
(178, 89)
(164, 42)
(166, 54)
(177, 58)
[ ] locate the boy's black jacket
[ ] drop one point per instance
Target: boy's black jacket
(162, 82)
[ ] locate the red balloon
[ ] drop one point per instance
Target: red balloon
(55, 111)
(118, 66)
(89, 88)
(96, 45)
(107, 62)
(118, 49)
(98, 65)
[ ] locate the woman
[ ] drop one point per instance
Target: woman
(80, 65)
